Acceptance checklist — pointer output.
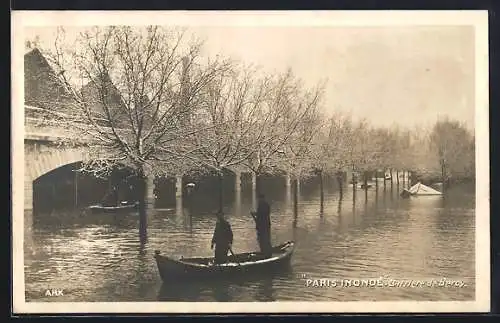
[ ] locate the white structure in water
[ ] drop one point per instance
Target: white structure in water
(420, 189)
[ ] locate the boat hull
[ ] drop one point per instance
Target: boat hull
(113, 209)
(237, 265)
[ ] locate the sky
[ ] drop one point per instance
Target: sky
(406, 75)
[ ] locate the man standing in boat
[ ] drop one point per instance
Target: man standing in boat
(222, 239)
(263, 225)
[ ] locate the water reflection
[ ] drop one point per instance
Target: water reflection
(356, 237)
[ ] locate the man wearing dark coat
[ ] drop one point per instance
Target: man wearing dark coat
(222, 239)
(263, 225)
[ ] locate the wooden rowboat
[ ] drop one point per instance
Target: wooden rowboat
(112, 209)
(238, 264)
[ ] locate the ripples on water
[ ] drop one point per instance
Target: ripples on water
(99, 257)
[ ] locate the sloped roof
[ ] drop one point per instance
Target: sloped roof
(42, 85)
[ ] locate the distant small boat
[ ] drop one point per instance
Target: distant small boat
(118, 208)
(367, 185)
(420, 189)
(238, 264)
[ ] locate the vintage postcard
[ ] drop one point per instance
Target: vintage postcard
(182, 162)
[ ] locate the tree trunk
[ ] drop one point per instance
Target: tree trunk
(340, 181)
(76, 188)
(443, 175)
(295, 199)
(142, 189)
(376, 181)
(390, 174)
(254, 190)
(258, 188)
(397, 178)
(385, 185)
(365, 182)
(353, 186)
(322, 193)
(221, 191)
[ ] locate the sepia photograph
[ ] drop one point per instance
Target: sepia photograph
(250, 162)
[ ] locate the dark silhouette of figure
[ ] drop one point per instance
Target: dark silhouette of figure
(222, 239)
(111, 198)
(263, 225)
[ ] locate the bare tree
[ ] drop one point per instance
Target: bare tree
(286, 107)
(228, 114)
(139, 86)
(298, 158)
(330, 153)
(454, 147)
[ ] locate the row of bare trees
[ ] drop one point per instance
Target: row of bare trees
(150, 100)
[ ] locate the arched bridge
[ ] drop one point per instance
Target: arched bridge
(44, 153)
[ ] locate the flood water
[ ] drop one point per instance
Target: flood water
(98, 257)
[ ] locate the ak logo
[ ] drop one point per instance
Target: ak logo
(54, 292)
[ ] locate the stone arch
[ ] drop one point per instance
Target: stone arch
(55, 160)
(41, 158)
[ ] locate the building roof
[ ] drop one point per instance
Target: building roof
(43, 86)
